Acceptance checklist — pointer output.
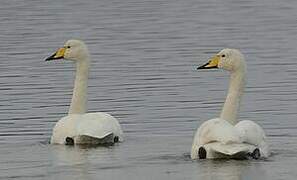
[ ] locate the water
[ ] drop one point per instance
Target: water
(144, 55)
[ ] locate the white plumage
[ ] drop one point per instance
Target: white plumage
(225, 137)
(80, 127)
(77, 126)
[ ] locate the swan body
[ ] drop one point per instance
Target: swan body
(225, 137)
(80, 127)
(77, 126)
(223, 140)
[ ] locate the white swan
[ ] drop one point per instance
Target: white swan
(80, 127)
(223, 137)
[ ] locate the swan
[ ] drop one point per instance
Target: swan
(225, 137)
(79, 127)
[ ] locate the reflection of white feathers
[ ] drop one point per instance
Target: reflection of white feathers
(224, 137)
(82, 127)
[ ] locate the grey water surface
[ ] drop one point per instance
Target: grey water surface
(144, 54)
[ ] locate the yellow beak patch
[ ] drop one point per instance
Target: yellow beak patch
(212, 63)
(60, 53)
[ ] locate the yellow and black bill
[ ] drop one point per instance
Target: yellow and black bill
(211, 64)
(59, 54)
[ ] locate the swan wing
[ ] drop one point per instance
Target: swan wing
(65, 127)
(251, 133)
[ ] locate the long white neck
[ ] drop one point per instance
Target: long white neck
(236, 87)
(79, 97)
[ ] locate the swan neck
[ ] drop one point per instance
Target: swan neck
(79, 97)
(235, 91)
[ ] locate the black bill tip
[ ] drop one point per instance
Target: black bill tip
(203, 66)
(52, 57)
(206, 66)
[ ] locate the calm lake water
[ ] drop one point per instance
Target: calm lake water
(144, 54)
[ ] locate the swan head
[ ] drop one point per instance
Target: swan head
(74, 50)
(227, 59)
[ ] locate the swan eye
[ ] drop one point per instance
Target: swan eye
(223, 55)
(67, 47)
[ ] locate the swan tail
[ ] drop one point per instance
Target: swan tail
(233, 150)
(108, 139)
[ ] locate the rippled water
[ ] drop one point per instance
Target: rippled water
(143, 72)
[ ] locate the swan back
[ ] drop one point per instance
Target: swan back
(214, 130)
(96, 125)
(99, 125)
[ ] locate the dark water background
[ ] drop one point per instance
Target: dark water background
(144, 55)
